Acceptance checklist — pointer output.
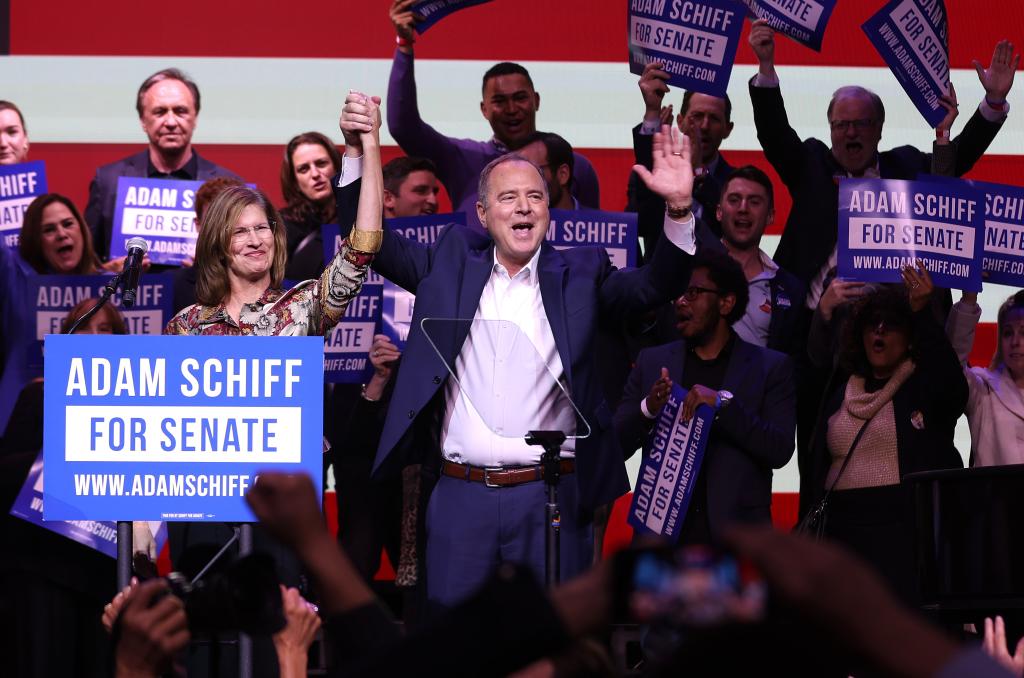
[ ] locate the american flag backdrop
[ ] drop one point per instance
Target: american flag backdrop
(269, 70)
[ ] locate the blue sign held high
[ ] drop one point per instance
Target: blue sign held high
(176, 428)
(887, 224)
(696, 41)
(912, 36)
(802, 20)
(433, 11)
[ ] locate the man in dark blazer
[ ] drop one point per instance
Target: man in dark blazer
(751, 387)
(168, 105)
(488, 505)
(811, 168)
(709, 120)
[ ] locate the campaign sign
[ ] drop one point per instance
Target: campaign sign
(433, 11)
(912, 37)
(802, 20)
(53, 296)
(668, 473)
(617, 232)
(161, 211)
(696, 40)
(99, 535)
(396, 319)
(19, 186)
(176, 428)
(1003, 254)
(347, 346)
(887, 224)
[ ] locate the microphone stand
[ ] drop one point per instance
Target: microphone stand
(108, 291)
(551, 441)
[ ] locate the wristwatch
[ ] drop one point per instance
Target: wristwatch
(722, 399)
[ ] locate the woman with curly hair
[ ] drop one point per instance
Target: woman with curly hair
(890, 409)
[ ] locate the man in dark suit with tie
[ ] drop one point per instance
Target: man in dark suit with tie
(488, 504)
(168, 105)
(751, 388)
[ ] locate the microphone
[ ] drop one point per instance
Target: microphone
(137, 248)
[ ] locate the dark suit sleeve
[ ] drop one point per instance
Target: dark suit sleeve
(938, 362)
(94, 215)
(973, 141)
(768, 435)
(627, 291)
(780, 142)
(400, 260)
(631, 426)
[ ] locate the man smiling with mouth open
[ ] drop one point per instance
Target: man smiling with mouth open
(487, 506)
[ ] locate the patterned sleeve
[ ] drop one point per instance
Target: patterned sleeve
(338, 285)
(182, 322)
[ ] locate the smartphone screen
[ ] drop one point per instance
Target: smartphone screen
(696, 586)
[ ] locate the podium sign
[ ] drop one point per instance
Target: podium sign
(176, 428)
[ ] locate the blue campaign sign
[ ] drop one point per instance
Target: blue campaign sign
(160, 210)
(886, 224)
(54, 295)
(433, 11)
(696, 40)
(176, 428)
(669, 472)
(347, 346)
(615, 231)
(1003, 255)
(19, 186)
(802, 20)
(99, 535)
(396, 318)
(912, 37)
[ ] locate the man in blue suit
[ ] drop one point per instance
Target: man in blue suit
(751, 387)
(488, 504)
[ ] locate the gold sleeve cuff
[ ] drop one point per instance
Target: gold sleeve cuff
(366, 241)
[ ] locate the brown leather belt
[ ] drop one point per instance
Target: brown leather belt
(500, 476)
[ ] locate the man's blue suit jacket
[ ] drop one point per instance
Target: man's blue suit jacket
(579, 288)
(750, 437)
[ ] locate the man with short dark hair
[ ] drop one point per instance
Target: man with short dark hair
(554, 156)
(772, 317)
(708, 120)
(410, 187)
(509, 104)
(168, 106)
(751, 389)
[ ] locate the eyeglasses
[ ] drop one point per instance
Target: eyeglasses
(262, 231)
(843, 125)
(693, 291)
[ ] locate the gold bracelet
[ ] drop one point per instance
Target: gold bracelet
(366, 241)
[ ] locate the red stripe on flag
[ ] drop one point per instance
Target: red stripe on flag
(523, 30)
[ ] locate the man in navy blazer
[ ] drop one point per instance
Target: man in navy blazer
(751, 387)
(168, 105)
(488, 504)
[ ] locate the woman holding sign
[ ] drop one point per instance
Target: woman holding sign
(995, 408)
(53, 240)
(890, 409)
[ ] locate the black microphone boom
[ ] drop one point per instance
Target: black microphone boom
(137, 248)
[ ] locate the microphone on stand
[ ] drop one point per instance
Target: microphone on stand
(137, 248)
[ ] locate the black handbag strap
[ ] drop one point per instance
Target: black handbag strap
(846, 461)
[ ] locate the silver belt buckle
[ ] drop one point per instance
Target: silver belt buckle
(487, 475)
